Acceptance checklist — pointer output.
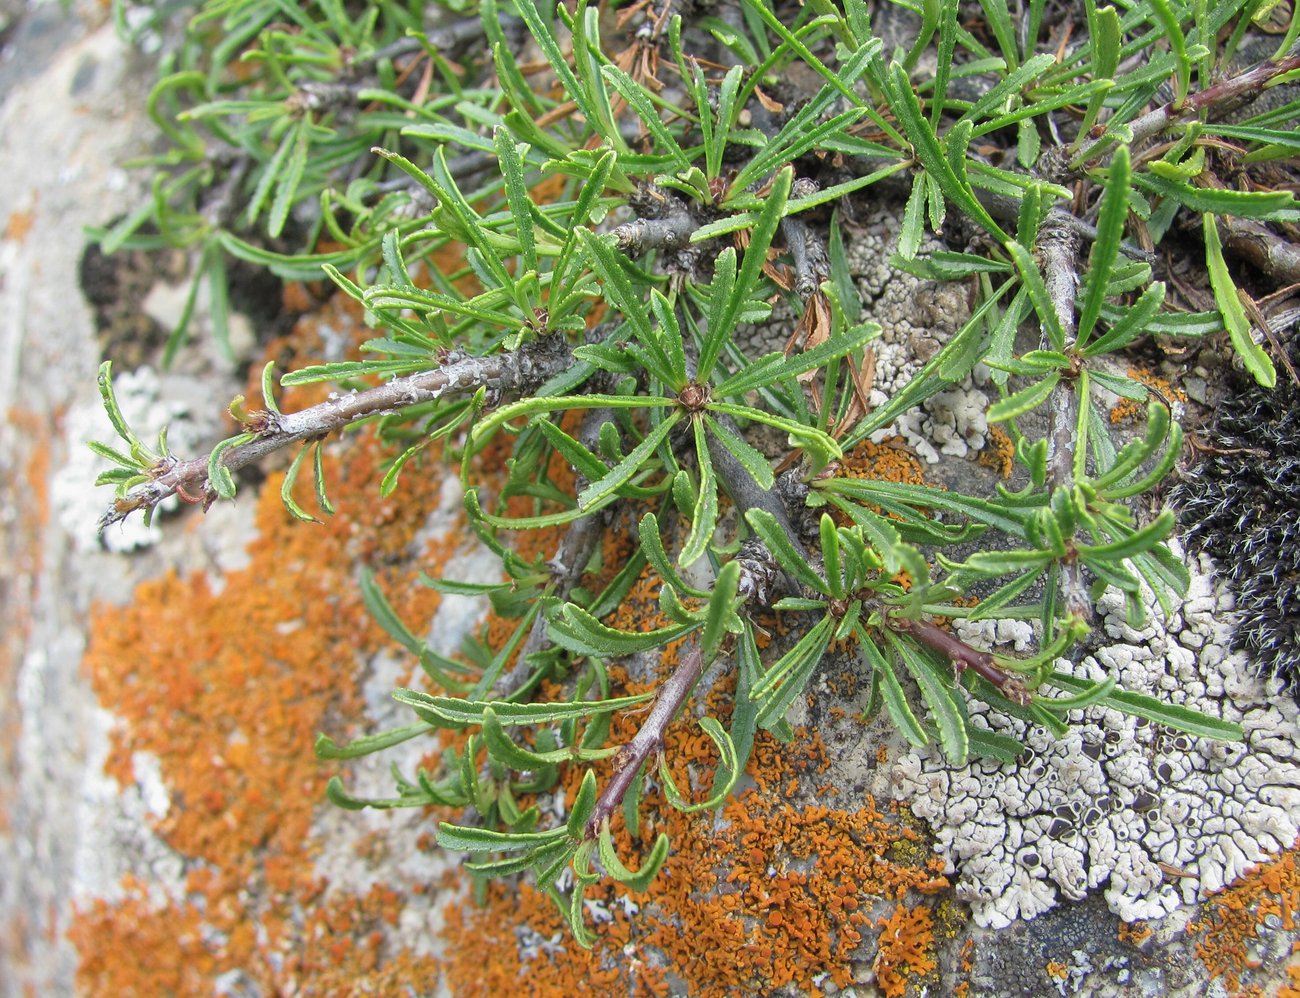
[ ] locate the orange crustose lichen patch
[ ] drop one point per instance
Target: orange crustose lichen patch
(906, 947)
(887, 461)
(1229, 925)
(999, 453)
(227, 686)
(774, 895)
(1127, 410)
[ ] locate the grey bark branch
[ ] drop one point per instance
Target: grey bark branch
(1059, 246)
(642, 235)
(508, 372)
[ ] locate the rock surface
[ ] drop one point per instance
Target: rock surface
(162, 823)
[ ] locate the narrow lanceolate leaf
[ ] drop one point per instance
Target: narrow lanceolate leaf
(458, 711)
(900, 711)
(652, 546)
(751, 268)
(1133, 543)
(721, 618)
(622, 473)
(1139, 705)
(1234, 313)
(788, 677)
(940, 699)
(749, 457)
(1105, 248)
(459, 838)
(618, 288)
(1023, 401)
(633, 880)
(327, 748)
(704, 516)
(219, 476)
(1037, 289)
(774, 537)
(512, 170)
(574, 628)
(726, 764)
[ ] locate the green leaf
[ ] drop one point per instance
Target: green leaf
(219, 476)
(1130, 544)
(774, 368)
(723, 320)
(1279, 206)
(459, 838)
(583, 806)
(704, 515)
(1023, 401)
(787, 678)
(939, 698)
(750, 459)
(577, 630)
(771, 533)
(1038, 294)
(653, 547)
(1133, 321)
(639, 880)
(726, 764)
(985, 744)
(640, 104)
(903, 102)
(1105, 248)
(327, 748)
(457, 711)
(900, 711)
(721, 618)
(622, 473)
(1140, 705)
(512, 170)
(1234, 313)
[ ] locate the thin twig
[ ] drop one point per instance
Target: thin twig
(529, 366)
(649, 740)
(962, 655)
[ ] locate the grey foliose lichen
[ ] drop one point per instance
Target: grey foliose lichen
(1153, 818)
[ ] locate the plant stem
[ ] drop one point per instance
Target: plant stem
(1059, 246)
(1224, 92)
(642, 235)
(526, 368)
(650, 738)
(962, 655)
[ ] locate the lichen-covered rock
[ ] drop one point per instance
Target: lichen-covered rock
(1153, 818)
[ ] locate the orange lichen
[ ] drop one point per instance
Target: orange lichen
(1134, 933)
(18, 225)
(1057, 970)
(999, 453)
(888, 461)
(1231, 920)
(226, 687)
(906, 948)
(1127, 410)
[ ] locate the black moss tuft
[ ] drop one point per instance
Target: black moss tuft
(1241, 505)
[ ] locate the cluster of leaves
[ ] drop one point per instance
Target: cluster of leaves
(279, 118)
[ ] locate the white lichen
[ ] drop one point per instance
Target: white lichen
(1151, 817)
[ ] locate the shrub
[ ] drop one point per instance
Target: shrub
(689, 186)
